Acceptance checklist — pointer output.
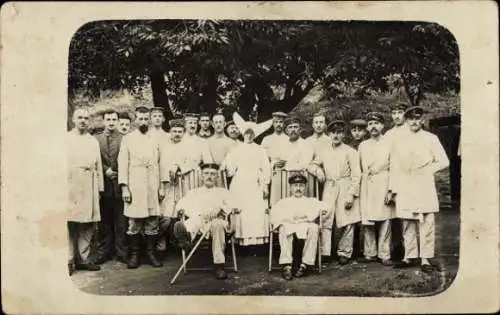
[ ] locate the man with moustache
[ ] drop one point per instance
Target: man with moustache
(124, 123)
(376, 211)
(157, 120)
(204, 122)
(113, 225)
(142, 190)
(219, 144)
(399, 130)
(338, 166)
(206, 208)
(85, 181)
(197, 152)
(416, 159)
(297, 215)
(274, 145)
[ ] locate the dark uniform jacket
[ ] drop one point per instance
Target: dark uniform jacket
(110, 147)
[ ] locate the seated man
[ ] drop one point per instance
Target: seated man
(297, 215)
(203, 209)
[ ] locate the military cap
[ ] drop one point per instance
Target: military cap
(297, 179)
(176, 122)
(204, 114)
(358, 123)
(191, 115)
(414, 112)
(292, 120)
(158, 109)
(142, 109)
(210, 165)
(124, 115)
(279, 115)
(375, 116)
(399, 106)
(336, 125)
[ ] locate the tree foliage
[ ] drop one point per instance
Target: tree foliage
(203, 65)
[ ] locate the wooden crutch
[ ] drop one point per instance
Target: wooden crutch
(191, 253)
(316, 190)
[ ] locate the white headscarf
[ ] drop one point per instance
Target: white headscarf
(257, 129)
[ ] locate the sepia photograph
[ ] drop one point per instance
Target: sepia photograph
(278, 157)
(317, 157)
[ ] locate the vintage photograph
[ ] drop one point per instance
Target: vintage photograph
(263, 157)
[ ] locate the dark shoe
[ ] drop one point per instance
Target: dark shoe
(89, 267)
(343, 260)
(302, 271)
(100, 260)
(71, 268)
(286, 272)
(133, 260)
(220, 273)
(182, 235)
(121, 259)
(403, 264)
(386, 262)
(150, 251)
(427, 268)
(367, 260)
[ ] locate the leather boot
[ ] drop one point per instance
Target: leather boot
(151, 249)
(133, 260)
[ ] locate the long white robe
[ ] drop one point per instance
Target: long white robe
(296, 214)
(139, 169)
(85, 177)
(274, 145)
(219, 147)
(417, 157)
(343, 175)
(391, 137)
(318, 142)
(202, 205)
(160, 135)
(196, 152)
(374, 156)
(249, 166)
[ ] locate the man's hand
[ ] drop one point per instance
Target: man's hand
(161, 194)
(111, 174)
(181, 214)
(349, 202)
(390, 198)
(320, 177)
(266, 192)
(236, 211)
(280, 164)
(126, 196)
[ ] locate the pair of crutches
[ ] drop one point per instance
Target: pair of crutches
(284, 194)
(203, 236)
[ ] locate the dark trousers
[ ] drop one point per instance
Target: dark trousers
(111, 229)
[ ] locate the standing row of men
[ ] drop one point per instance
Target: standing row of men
(373, 181)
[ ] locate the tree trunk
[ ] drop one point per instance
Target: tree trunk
(208, 101)
(160, 97)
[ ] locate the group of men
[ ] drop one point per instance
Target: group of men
(192, 180)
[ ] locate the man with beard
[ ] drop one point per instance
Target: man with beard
(124, 123)
(358, 132)
(233, 132)
(139, 177)
(399, 130)
(274, 145)
(297, 156)
(203, 209)
(376, 211)
(113, 225)
(85, 181)
(338, 166)
(416, 158)
(157, 120)
(204, 131)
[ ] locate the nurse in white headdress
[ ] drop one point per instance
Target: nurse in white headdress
(249, 166)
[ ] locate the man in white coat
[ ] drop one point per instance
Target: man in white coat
(298, 216)
(418, 156)
(376, 213)
(86, 182)
(274, 145)
(139, 177)
(338, 166)
(157, 120)
(203, 209)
